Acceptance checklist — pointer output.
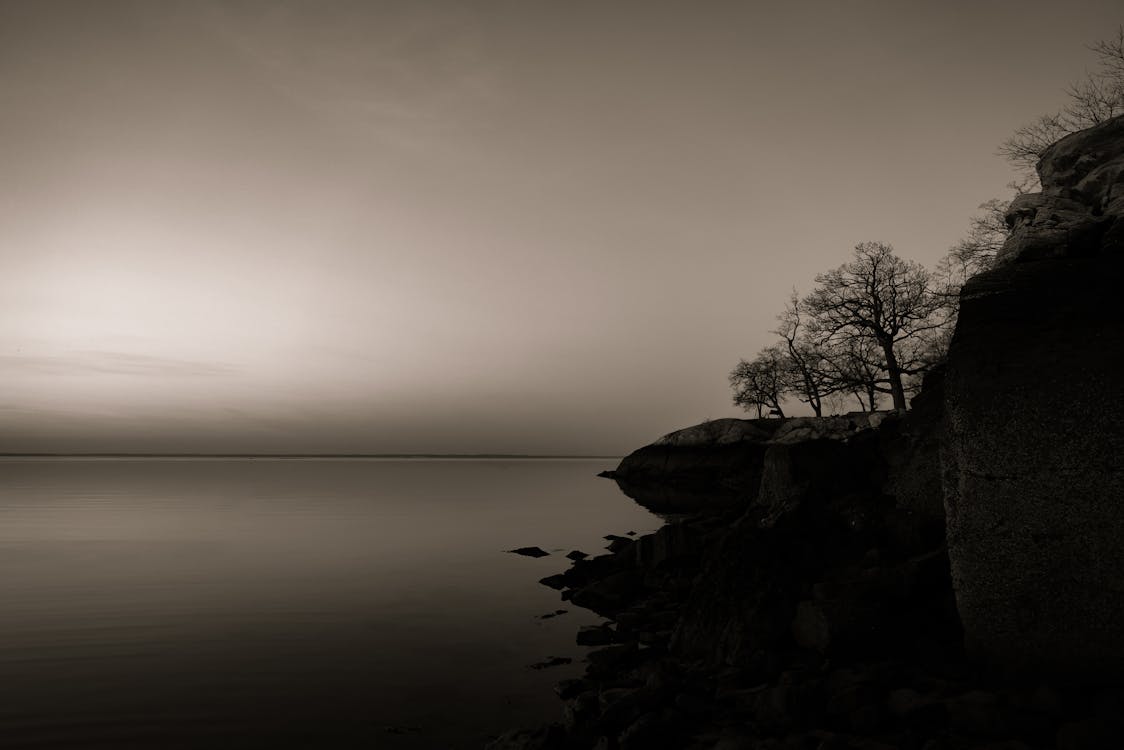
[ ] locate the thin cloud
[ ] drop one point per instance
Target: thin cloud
(111, 363)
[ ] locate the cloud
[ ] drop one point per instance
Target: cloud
(111, 363)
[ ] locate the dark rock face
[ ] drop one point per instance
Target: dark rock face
(827, 557)
(728, 464)
(1035, 426)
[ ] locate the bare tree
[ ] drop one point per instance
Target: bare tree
(859, 369)
(807, 371)
(759, 384)
(881, 297)
(1099, 96)
(974, 254)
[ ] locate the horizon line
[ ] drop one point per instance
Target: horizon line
(295, 455)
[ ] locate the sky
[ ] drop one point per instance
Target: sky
(467, 227)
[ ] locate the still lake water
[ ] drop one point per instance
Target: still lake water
(253, 603)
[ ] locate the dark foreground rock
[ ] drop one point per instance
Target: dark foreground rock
(822, 616)
(820, 626)
(791, 620)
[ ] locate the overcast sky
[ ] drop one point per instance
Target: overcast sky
(528, 227)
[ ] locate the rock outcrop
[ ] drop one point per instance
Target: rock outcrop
(1034, 436)
(713, 465)
(1078, 213)
(726, 464)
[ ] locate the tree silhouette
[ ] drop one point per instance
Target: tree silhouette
(882, 299)
(759, 384)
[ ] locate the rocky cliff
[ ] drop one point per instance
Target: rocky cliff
(1035, 425)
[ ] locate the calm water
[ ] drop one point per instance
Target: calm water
(287, 603)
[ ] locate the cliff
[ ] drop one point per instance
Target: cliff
(1034, 430)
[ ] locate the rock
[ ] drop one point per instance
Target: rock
(651, 730)
(611, 659)
(609, 594)
(529, 552)
(1080, 203)
(977, 712)
(850, 697)
(550, 737)
(915, 710)
(555, 613)
(1045, 701)
(552, 661)
(576, 555)
(1088, 734)
(693, 705)
(618, 544)
(810, 627)
(1034, 429)
(556, 582)
(567, 689)
(582, 710)
(619, 707)
(709, 466)
(595, 635)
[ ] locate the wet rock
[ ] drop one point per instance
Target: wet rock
(595, 635)
(552, 661)
(610, 594)
(582, 710)
(612, 659)
(550, 737)
(619, 544)
(529, 552)
(567, 689)
(557, 581)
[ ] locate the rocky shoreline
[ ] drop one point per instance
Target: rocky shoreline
(946, 577)
(856, 644)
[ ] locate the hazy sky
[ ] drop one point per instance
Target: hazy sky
(532, 227)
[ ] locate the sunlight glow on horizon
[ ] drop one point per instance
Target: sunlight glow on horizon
(497, 228)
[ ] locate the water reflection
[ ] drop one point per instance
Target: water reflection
(286, 603)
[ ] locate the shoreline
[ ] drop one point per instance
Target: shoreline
(816, 613)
